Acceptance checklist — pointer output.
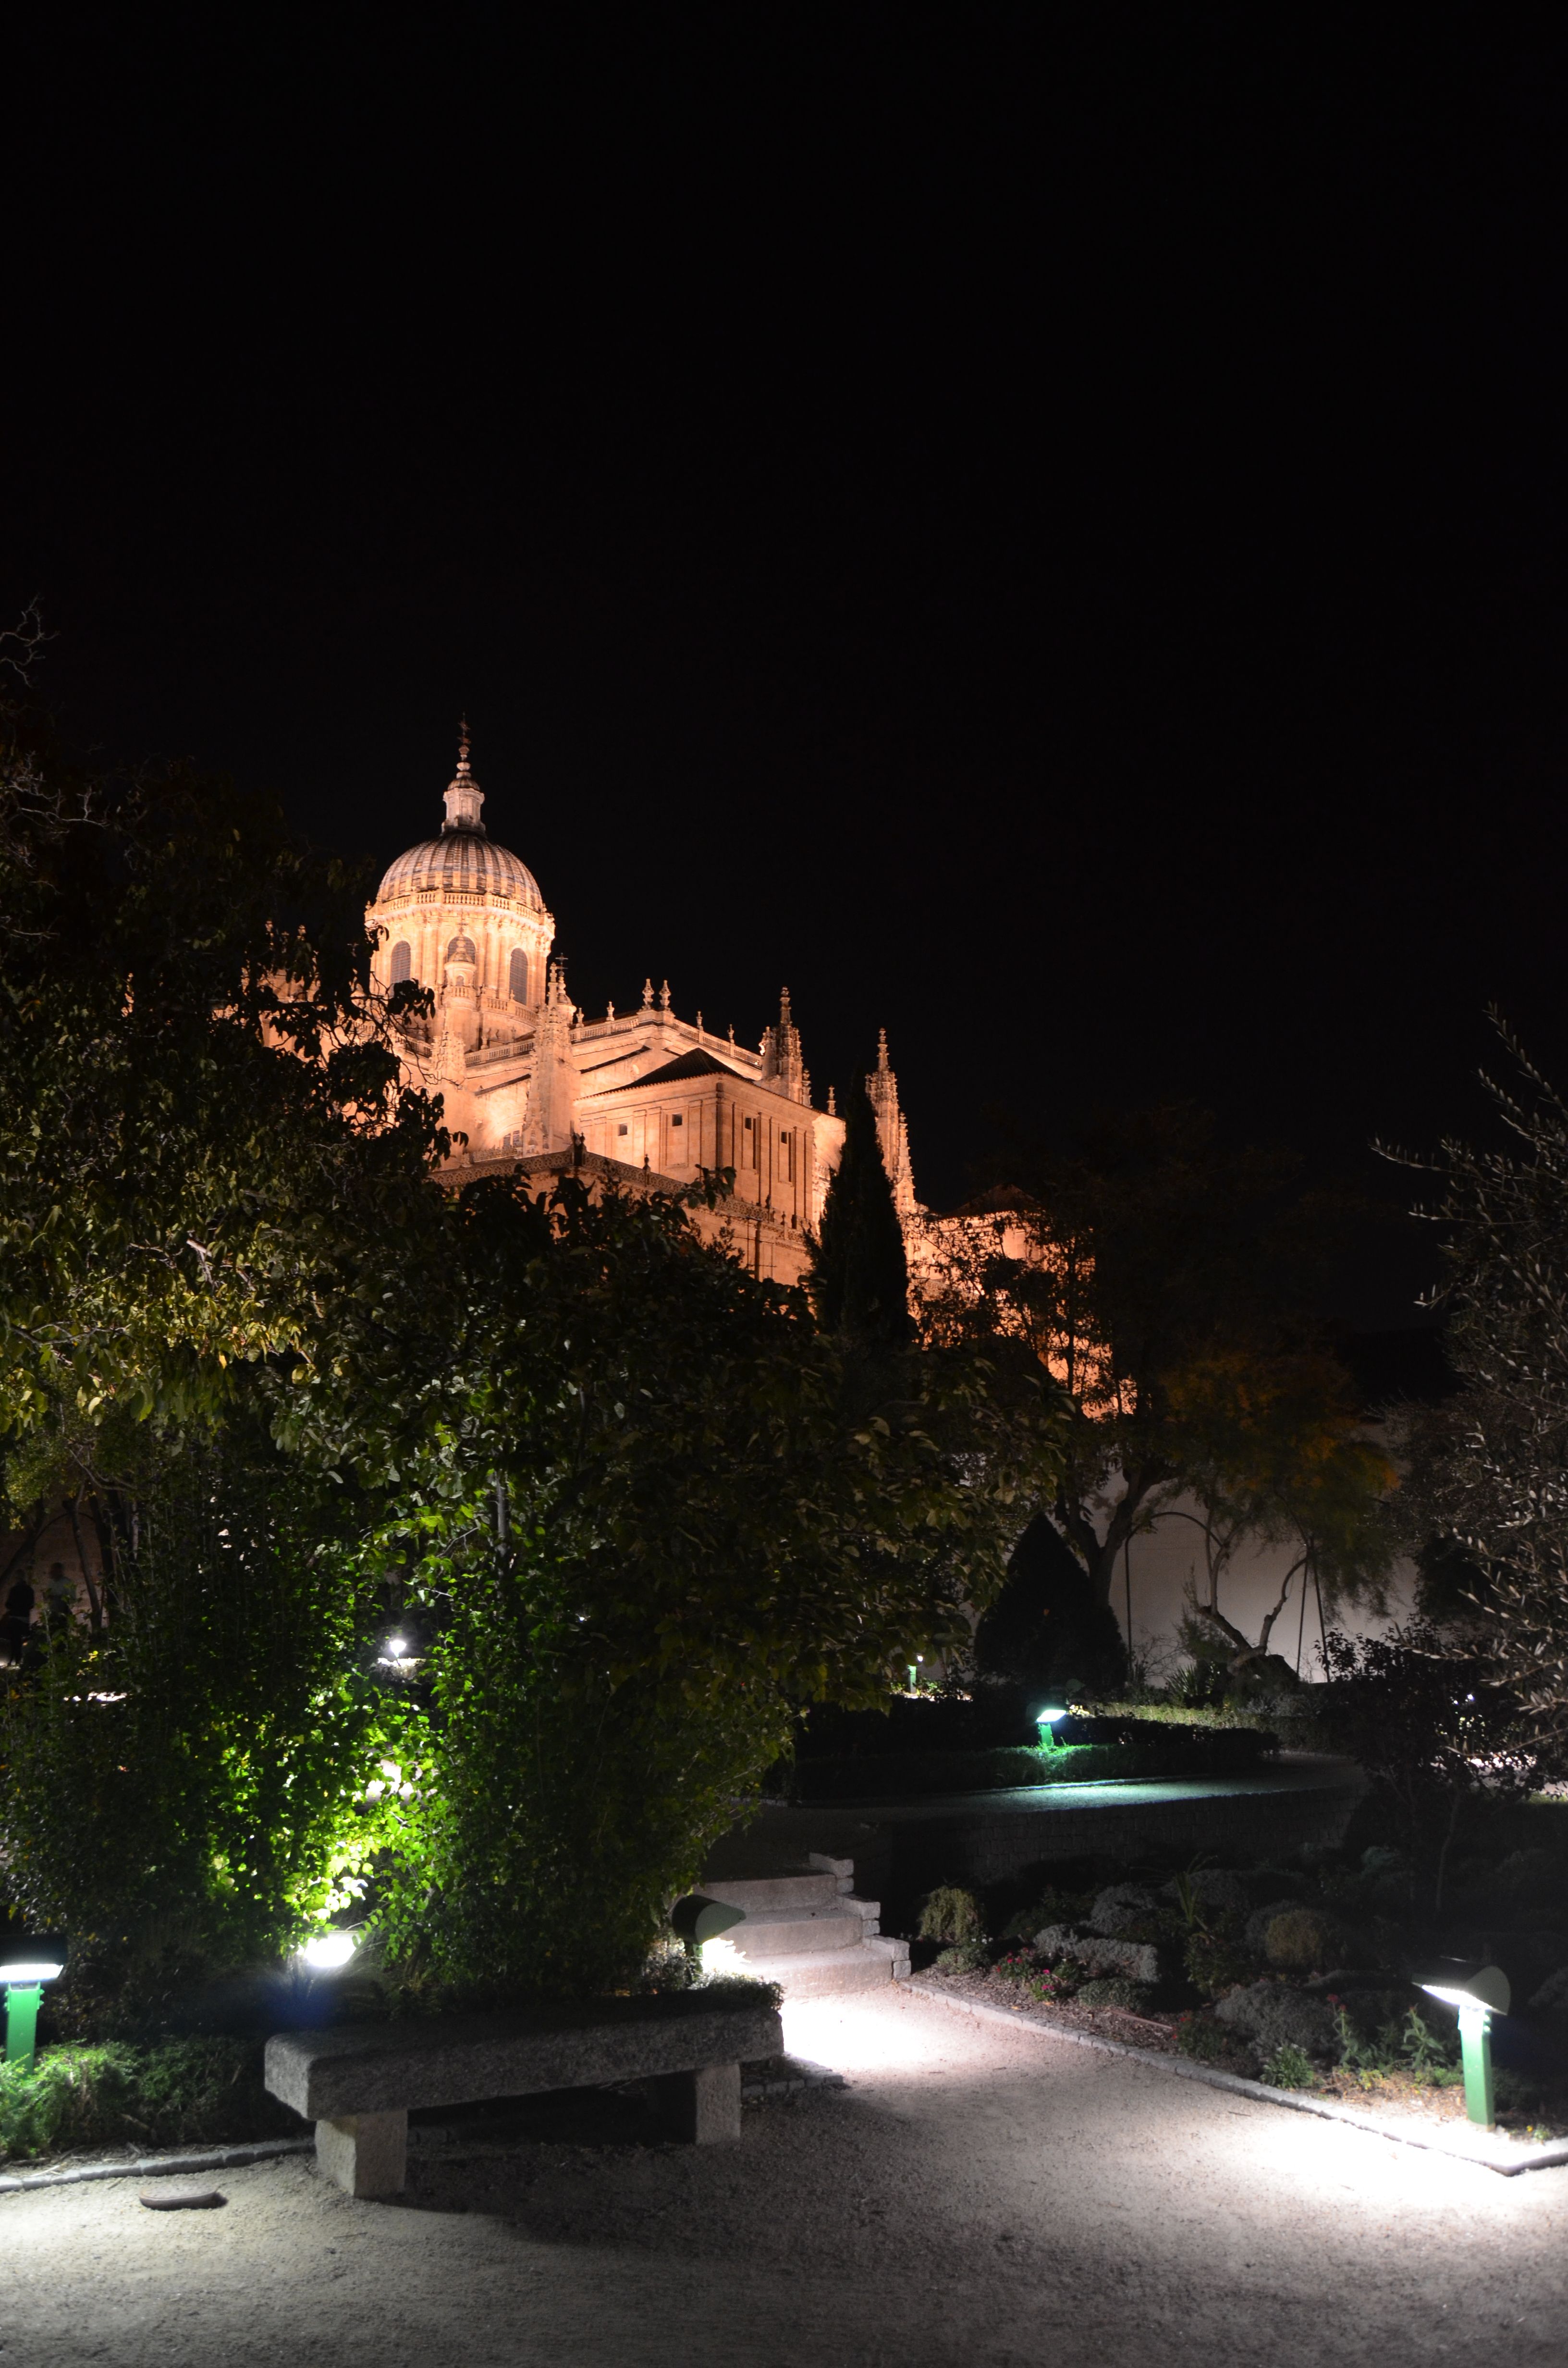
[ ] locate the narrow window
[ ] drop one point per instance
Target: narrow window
(401, 961)
(519, 976)
(621, 1128)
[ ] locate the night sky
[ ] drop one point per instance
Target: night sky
(1040, 527)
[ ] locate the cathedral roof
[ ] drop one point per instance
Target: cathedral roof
(464, 860)
(695, 1063)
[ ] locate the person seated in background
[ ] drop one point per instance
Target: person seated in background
(59, 1596)
(18, 1619)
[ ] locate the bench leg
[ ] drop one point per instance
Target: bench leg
(702, 2107)
(365, 2154)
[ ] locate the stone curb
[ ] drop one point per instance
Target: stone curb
(161, 2166)
(1541, 2157)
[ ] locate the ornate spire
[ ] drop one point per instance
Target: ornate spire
(647, 995)
(782, 1066)
(893, 1134)
(664, 996)
(464, 796)
(548, 1121)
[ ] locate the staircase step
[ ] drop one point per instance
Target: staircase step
(758, 1893)
(831, 1972)
(780, 1935)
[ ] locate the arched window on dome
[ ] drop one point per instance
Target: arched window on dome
(401, 961)
(519, 976)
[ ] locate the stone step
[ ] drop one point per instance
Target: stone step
(831, 1972)
(758, 1893)
(776, 1934)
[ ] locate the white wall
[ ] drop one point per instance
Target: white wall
(1162, 1563)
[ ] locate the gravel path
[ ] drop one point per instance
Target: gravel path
(974, 2196)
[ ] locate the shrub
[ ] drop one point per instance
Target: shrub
(1216, 1961)
(1051, 1908)
(951, 1914)
(1289, 2068)
(1019, 1965)
(1302, 1941)
(964, 1957)
(185, 1793)
(1202, 2038)
(1117, 1989)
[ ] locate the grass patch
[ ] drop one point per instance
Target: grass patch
(185, 2092)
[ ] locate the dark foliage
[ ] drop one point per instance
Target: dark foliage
(1048, 1630)
(860, 1277)
(1434, 1732)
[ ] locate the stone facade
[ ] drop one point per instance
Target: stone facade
(643, 1096)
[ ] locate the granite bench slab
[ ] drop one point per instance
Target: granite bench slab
(360, 2083)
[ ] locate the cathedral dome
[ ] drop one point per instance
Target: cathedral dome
(464, 860)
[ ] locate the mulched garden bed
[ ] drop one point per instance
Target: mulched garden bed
(1157, 2033)
(1394, 2094)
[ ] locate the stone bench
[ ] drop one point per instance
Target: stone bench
(359, 2084)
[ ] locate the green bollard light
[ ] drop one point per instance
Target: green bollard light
(1479, 1992)
(22, 2002)
(1475, 2053)
(1045, 1725)
(24, 1969)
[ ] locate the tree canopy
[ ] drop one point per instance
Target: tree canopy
(640, 1507)
(1166, 1282)
(1490, 1467)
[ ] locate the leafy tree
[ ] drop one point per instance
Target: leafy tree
(649, 1509)
(212, 1187)
(1140, 1272)
(1275, 1453)
(859, 1275)
(208, 1157)
(648, 1533)
(1489, 1479)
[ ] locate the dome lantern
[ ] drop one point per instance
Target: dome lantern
(465, 797)
(463, 861)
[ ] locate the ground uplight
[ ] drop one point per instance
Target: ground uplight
(328, 1953)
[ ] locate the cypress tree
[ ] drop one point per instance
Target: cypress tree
(859, 1278)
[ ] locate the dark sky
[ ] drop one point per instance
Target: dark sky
(1041, 526)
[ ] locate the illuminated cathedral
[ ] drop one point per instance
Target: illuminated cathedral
(528, 1082)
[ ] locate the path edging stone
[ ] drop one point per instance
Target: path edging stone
(1296, 2101)
(159, 2166)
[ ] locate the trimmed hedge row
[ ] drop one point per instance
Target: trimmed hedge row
(1158, 1751)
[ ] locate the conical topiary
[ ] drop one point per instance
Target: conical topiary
(860, 1279)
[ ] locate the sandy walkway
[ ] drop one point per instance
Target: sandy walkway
(973, 2197)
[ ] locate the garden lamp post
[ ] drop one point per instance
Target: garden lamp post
(1479, 1992)
(1045, 1722)
(24, 1969)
